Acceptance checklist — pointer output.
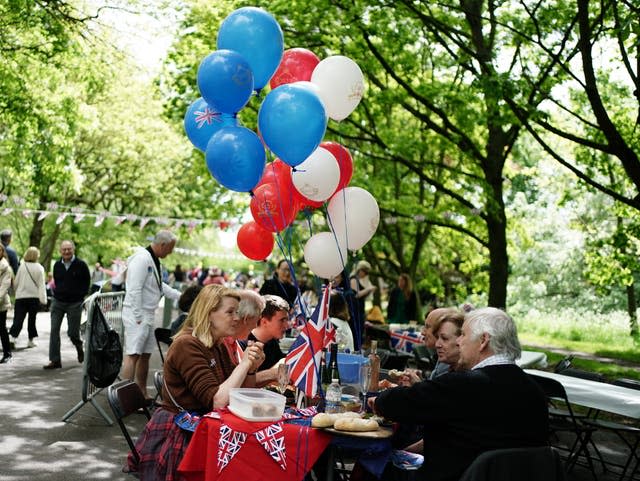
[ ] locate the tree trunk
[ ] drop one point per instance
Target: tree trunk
(631, 309)
(498, 256)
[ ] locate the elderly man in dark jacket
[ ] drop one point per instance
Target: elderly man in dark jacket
(493, 404)
(72, 280)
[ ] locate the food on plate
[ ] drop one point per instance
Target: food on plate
(355, 424)
(325, 420)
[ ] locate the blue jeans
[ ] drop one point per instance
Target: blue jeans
(73, 310)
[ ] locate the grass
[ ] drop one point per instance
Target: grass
(586, 335)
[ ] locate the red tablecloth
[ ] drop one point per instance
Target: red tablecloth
(303, 446)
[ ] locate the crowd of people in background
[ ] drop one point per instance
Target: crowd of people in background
(62, 289)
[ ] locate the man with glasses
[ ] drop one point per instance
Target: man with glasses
(72, 281)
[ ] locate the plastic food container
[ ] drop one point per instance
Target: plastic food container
(253, 404)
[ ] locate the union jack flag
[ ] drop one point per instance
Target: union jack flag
(405, 339)
(229, 444)
(207, 116)
(239, 351)
(272, 440)
(305, 355)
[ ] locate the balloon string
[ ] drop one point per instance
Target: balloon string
(353, 307)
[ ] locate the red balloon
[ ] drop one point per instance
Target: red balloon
(296, 64)
(276, 172)
(345, 162)
(273, 207)
(255, 242)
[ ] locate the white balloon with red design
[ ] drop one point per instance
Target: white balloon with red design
(318, 176)
(353, 215)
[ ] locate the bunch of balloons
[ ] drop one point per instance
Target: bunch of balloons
(305, 93)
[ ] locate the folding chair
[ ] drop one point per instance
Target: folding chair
(566, 421)
(158, 381)
(523, 464)
(621, 430)
(563, 364)
(163, 336)
(125, 398)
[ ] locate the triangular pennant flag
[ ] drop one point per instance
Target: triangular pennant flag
(229, 444)
(272, 440)
(100, 218)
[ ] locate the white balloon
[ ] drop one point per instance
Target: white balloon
(318, 176)
(324, 256)
(341, 85)
(353, 214)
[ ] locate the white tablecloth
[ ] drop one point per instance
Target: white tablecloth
(597, 395)
(532, 359)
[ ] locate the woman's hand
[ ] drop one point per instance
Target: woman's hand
(254, 355)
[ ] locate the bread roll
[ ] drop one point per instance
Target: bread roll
(347, 414)
(355, 424)
(323, 420)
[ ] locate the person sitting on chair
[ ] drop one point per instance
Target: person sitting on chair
(271, 327)
(465, 413)
(198, 376)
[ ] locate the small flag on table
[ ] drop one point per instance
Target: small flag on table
(305, 355)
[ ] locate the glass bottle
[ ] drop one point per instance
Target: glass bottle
(325, 375)
(334, 372)
(374, 362)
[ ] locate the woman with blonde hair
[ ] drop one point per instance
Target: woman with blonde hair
(30, 293)
(6, 276)
(198, 376)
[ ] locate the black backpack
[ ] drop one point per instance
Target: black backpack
(105, 351)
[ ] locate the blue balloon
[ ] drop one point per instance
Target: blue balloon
(225, 81)
(256, 35)
(292, 122)
(201, 122)
(236, 158)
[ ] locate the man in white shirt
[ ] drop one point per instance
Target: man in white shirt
(144, 289)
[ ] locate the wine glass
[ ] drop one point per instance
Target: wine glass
(283, 377)
(365, 378)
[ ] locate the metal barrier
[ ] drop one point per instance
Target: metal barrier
(111, 305)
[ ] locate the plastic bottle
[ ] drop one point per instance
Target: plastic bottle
(374, 362)
(334, 397)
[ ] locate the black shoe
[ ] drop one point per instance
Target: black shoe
(80, 354)
(5, 359)
(53, 365)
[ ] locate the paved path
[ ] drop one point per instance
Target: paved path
(34, 442)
